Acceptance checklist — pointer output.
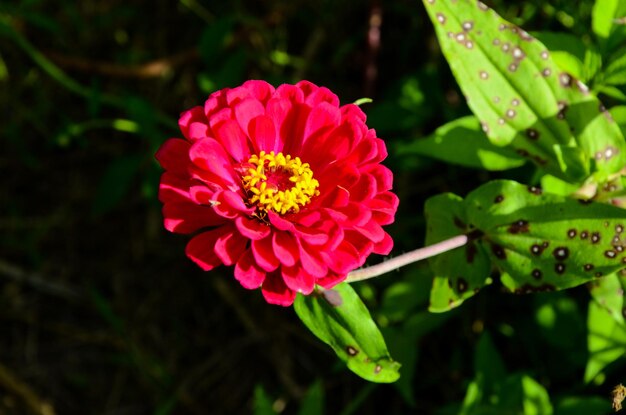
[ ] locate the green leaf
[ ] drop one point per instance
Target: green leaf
(606, 341)
(463, 142)
(521, 96)
(603, 17)
(339, 318)
(536, 241)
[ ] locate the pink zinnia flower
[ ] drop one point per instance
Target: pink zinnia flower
(284, 184)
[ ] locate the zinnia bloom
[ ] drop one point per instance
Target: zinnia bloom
(284, 184)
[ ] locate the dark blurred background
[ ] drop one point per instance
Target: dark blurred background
(100, 310)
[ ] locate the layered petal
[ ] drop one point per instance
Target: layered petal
(245, 146)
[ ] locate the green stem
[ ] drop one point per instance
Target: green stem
(408, 258)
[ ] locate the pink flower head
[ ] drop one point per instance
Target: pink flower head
(284, 184)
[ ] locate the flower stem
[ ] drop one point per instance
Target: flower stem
(405, 259)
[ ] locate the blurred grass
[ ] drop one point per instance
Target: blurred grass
(88, 91)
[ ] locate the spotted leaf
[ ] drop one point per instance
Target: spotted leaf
(535, 241)
(521, 96)
(460, 273)
(339, 318)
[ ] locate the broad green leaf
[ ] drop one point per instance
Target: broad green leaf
(339, 318)
(536, 241)
(463, 142)
(521, 96)
(606, 341)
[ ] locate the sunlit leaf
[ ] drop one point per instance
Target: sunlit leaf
(521, 96)
(339, 318)
(463, 142)
(536, 241)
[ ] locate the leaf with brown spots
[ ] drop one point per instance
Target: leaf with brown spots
(350, 331)
(461, 273)
(536, 241)
(522, 98)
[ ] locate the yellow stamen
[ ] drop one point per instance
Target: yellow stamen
(279, 183)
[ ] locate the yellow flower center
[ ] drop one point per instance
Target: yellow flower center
(278, 183)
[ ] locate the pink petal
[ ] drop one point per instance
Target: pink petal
(230, 246)
(198, 130)
(229, 204)
(189, 217)
(279, 222)
(252, 228)
(353, 111)
(285, 248)
(264, 254)
(330, 280)
(215, 102)
(323, 117)
(200, 248)
(311, 263)
(262, 132)
(260, 90)
(343, 259)
(209, 155)
(322, 95)
(384, 246)
(290, 93)
(195, 114)
(336, 197)
(364, 189)
(246, 110)
(247, 272)
(311, 236)
(298, 280)
(307, 87)
(382, 175)
(365, 151)
(174, 156)
(372, 231)
(233, 139)
(173, 189)
(276, 292)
